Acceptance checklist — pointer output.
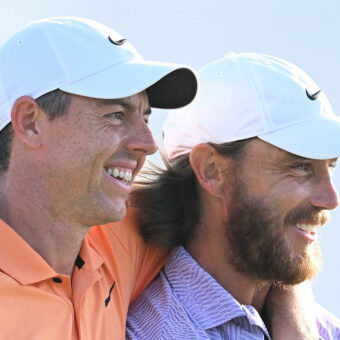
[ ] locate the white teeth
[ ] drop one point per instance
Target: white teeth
(115, 172)
(307, 227)
(128, 176)
(124, 175)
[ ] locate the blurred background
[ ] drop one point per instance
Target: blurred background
(195, 32)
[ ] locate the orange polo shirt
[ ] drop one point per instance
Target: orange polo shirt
(36, 303)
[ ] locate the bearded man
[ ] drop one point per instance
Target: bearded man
(247, 186)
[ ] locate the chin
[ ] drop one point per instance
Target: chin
(117, 214)
(107, 213)
(97, 207)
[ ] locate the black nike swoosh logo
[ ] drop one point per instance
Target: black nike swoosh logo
(313, 96)
(117, 42)
(107, 300)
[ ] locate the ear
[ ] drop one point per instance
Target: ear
(211, 169)
(25, 121)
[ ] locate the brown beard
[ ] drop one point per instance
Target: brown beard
(256, 238)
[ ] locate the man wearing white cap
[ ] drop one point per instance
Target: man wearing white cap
(75, 98)
(248, 184)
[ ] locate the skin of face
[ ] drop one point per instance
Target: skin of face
(274, 193)
(79, 148)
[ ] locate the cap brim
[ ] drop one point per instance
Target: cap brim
(317, 139)
(168, 85)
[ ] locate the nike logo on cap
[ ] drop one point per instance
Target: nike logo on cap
(117, 42)
(313, 96)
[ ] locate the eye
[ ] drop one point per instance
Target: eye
(332, 165)
(119, 115)
(301, 169)
(146, 119)
(302, 166)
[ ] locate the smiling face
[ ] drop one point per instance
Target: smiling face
(91, 155)
(278, 203)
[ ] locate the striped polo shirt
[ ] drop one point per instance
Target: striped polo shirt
(185, 302)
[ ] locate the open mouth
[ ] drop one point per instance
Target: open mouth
(123, 175)
(308, 228)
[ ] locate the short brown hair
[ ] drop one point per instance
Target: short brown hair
(54, 104)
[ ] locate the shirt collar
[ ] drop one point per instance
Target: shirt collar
(202, 296)
(21, 262)
(89, 252)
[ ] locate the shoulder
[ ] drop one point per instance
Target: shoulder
(148, 315)
(121, 231)
(122, 236)
(159, 314)
(328, 324)
(131, 261)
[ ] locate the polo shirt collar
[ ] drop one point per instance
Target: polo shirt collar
(21, 262)
(205, 300)
(89, 254)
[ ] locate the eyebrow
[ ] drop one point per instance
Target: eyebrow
(125, 104)
(297, 157)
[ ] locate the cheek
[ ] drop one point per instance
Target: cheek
(292, 194)
(285, 193)
(69, 160)
(257, 182)
(78, 154)
(112, 137)
(85, 147)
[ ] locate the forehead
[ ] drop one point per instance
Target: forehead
(130, 102)
(134, 102)
(261, 150)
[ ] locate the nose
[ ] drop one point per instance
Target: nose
(142, 141)
(325, 195)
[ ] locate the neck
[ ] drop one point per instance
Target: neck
(56, 238)
(209, 251)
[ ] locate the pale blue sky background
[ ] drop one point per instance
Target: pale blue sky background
(305, 32)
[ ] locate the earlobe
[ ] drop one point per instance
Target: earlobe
(25, 121)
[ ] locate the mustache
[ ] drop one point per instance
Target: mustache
(310, 215)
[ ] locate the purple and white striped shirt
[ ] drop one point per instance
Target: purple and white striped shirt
(185, 302)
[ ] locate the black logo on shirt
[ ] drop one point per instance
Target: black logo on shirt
(107, 300)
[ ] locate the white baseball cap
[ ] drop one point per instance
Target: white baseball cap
(246, 95)
(86, 58)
